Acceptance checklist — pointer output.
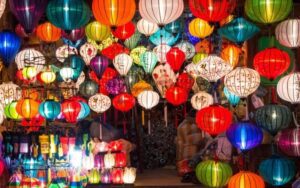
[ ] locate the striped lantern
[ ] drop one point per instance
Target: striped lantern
(288, 33)
(122, 62)
(30, 57)
(148, 99)
(288, 88)
(97, 31)
(245, 179)
(289, 141)
(48, 32)
(145, 27)
(200, 28)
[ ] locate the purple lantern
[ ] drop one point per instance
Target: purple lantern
(288, 141)
(98, 64)
(28, 12)
(75, 34)
(115, 86)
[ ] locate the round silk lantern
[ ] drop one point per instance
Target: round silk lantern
(114, 13)
(277, 171)
(271, 62)
(273, 117)
(94, 176)
(122, 63)
(66, 73)
(133, 41)
(115, 86)
(49, 109)
(213, 173)
(176, 95)
(185, 81)
(288, 33)
(214, 119)
(124, 31)
(161, 12)
(242, 81)
(231, 54)
(232, 98)
(201, 100)
(245, 179)
(30, 57)
(288, 141)
(288, 88)
(48, 32)
(244, 135)
(98, 64)
(187, 48)
(87, 52)
(88, 88)
(176, 26)
(11, 112)
(148, 61)
(268, 11)
(200, 28)
(175, 58)
(29, 73)
(164, 78)
(10, 44)
(48, 76)
(123, 102)
(74, 35)
(117, 175)
(71, 110)
(161, 52)
(99, 103)
(75, 62)
(97, 31)
(27, 108)
(212, 10)
(68, 15)
(147, 28)
(148, 99)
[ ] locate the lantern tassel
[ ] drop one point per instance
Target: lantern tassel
(100, 133)
(149, 123)
(166, 114)
(143, 117)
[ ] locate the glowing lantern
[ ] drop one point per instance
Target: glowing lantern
(214, 119)
(87, 52)
(48, 32)
(2, 7)
(148, 99)
(246, 179)
(27, 108)
(200, 28)
(29, 73)
(199, 57)
(28, 182)
(106, 176)
(242, 81)
(139, 87)
(109, 160)
(124, 102)
(10, 44)
(64, 52)
(84, 111)
(185, 81)
(187, 48)
(88, 88)
(176, 95)
(147, 28)
(11, 112)
(133, 41)
(161, 52)
(94, 176)
(288, 33)
(136, 54)
(162, 36)
(212, 10)
(117, 176)
(124, 31)
(271, 62)
(148, 61)
(288, 88)
(30, 57)
(9, 92)
(88, 162)
(129, 175)
(66, 73)
(48, 76)
(201, 100)
(175, 58)
(115, 146)
(216, 173)
(70, 110)
(99, 103)
(288, 141)
(75, 34)
(121, 160)
(164, 78)
(98, 64)
(231, 54)
(49, 109)
(232, 98)
(97, 31)
(122, 63)
(244, 135)
(268, 11)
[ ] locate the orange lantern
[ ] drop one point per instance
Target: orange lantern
(231, 54)
(27, 108)
(246, 180)
(120, 160)
(48, 32)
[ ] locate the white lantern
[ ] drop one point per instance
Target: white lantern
(288, 88)
(145, 27)
(109, 160)
(80, 80)
(2, 117)
(87, 52)
(164, 77)
(161, 51)
(201, 100)
(65, 51)
(30, 57)
(148, 99)
(9, 92)
(129, 175)
(288, 33)
(99, 103)
(242, 81)
(66, 73)
(2, 7)
(192, 70)
(212, 68)
(123, 63)
(188, 49)
(161, 12)
(88, 161)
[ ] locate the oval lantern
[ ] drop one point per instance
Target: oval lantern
(175, 58)
(201, 100)
(30, 57)
(11, 112)
(27, 108)
(145, 27)
(74, 35)
(176, 95)
(288, 33)
(99, 103)
(48, 32)
(122, 63)
(66, 74)
(10, 44)
(148, 61)
(87, 52)
(124, 31)
(161, 52)
(148, 99)
(288, 141)
(185, 81)
(68, 15)
(88, 88)
(97, 31)
(49, 109)
(213, 173)
(268, 11)
(214, 119)
(200, 28)
(242, 81)
(113, 13)
(29, 72)
(71, 110)
(161, 12)
(244, 135)
(245, 179)
(123, 102)
(288, 88)
(188, 49)
(84, 111)
(48, 76)
(176, 26)
(98, 64)
(277, 171)
(94, 176)
(271, 62)
(231, 54)
(75, 62)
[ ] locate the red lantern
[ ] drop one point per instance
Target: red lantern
(115, 146)
(125, 31)
(176, 95)
(214, 119)
(120, 160)
(185, 81)
(2, 166)
(124, 102)
(271, 62)
(70, 110)
(67, 143)
(175, 57)
(113, 50)
(212, 10)
(117, 176)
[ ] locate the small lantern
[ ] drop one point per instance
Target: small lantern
(129, 175)
(48, 32)
(64, 52)
(50, 109)
(88, 88)
(48, 76)
(148, 61)
(109, 160)
(145, 27)
(200, 28)
(87, 52)
(99, 161)
(148, 99)
(201, 100)
(66, 73)
(106, 177)
(232, 98)
(124, 31)
(9, 92)
(27, 108)
(124, 102)
(94, 176)
(29, 72)
(188, 49)
(117, 176)
(139, 87)
(99, 103)
(44, 143)
(120, 160)
(288, 142)
(70, 110)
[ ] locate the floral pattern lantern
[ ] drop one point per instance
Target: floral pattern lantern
(288, 141)
(148, 99)
(87, 52)
(288, 88)
(201, 100)
(176, 95)
(123, 102)
(99, 103)
(200, 28)
(9, 92)
(247, 179)
(48, 32)
(30, 57)
(288, 33)
(136, 53)
(145, 27)
(122, 63)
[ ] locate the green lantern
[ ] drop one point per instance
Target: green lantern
(133, 41)
(148, 61)
(94, 176)
(136, 52)
(198, 57)
(11, 112)
(268, 11)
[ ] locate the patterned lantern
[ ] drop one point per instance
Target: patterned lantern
(176, 26)
(124, 102)
(11, 112)
(115, 86)
(99, 103)
(288, 33)
(244, 135)
(273, 117)
(213, 119)
(68, 15)
(98, 64)
(136, 53)
(109, 160)
(88, 88)
(129, 175)
(288, 88)
(27, 108)
(201, 100)
(117, 176)
(124, 31)
(87, 52)
(213, 173)
(145, 27)
(242, 81)
(148, 61)
(288, 141)
(232, 98)
(245, 179)
(49, 109)
(121, 160)
(277, 170)
(161, 12)
(185, 81)
(30, 57)
(70, 110)
(9, 92)
(268, 11)
(187, 48)
(64, 52)
(74, 35)
(176, 95)
(48, 32)
(231, 54)
(164, 78)
(148, 99)
(97, 31)
(122, 63)
(200, 28)
(94, 176)
(10, 44)
(175, 58)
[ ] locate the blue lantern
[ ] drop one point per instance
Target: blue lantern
(239, 30)
(277, 170)
(10, 44)
(163, 37)
(232, 98)
(194, 40)
(84, 112)
(244, 135)
(49, 109)
(75, 62)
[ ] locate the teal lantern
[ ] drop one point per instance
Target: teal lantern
(277, 170)
(133, 41)
(163, 37)
(175, 27)
(68, 14)
(75, 62)
(84, 111)
(148, 61)
(49, 109)
(88, 88)
(232, 98)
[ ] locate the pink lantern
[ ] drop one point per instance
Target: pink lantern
(99, 161)
(288, 141)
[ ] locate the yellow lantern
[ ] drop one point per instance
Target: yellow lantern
(109, 160)
(94, 176)
(48, 76)
(198, 57)
(136, 53)
(231, 54)
(97, 31)
(29, 72)
(44, 143)
(27, 108)
(200, 28)
(139, 87)
(129, 175)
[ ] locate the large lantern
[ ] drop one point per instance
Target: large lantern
(288, 141)
(97, 31)
(49, 109)
(124, 102)
(288, 88)
(113, 13)
(30, 57)
(68, 15)
(145, 27)
(213, 173)
(124, 31)
(200, 28)
(48, 32)
(122, 63)
(148, 99)
(288, 33)
(245, 179)
(201, 100)
(88, 88)
(98, 64)
(212, 10)
(10, 44)
(213, 119)
(71, 110)
(161, 12)
(148, 61)
(99, 103)
(268, 11)
(176, 95)
(27, 108)
(175, 58)
(231, 54)
(242, 81)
